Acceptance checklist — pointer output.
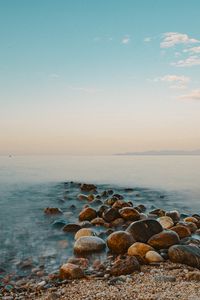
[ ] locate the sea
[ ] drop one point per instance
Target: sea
(28, 184)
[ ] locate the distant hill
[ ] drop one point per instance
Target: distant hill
(163, 152)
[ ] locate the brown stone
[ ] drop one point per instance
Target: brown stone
(185, 254)
(110, 215)
(129, 214)
(125, 266)
(88, 187)
(88, 244)
(164, 239)
(182, 231)
(119, 241)
(71, 271)
(87, 214)
(139, 249)
(52, 211)
(71, 227)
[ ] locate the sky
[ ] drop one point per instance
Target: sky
(99, 77)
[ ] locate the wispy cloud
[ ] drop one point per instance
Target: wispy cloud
(126, 40)
(175, 81)
(53, 76)
(193, 95)
(193, 50)
(88, 90)
(170, 39)
(190, 61)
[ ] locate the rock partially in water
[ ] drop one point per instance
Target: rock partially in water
(158, 212)
(166, 222)
(125, 266)
(88, 244)
(59, 223)
(129, 214)
(79, 261)
(119, 241)
(189, 255)
(88, 187)
(142, 230)
(120, 204)
(182, 231)
(110, 215)
(139, 249)
(52, 211)
(71, 271)
(71, 227)
(174, 214)
(99, 222)
(153, 256)
(87, 214)
(192, 226)
(84, 232)
(164, 239)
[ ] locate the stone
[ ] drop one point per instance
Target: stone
(166, 222)
(70, 271)
(125, 266)
(191, 219)
(119, 241)
(158, 212)
(88, 187)
(52, 211)
(142, 230)
(182, 231)
(164, 278)
(139, 249)
(185, 254)
(117, 222)
(164, 239)
(129, 214)
(81, 261)
(153, 256)
(192, 226)
(110, 215)
(71, 227)
(98, 222)
(120, 204)
(87, 214)
(82, 197)
(84, 232)
(101, 210)
(174, 214)
(87, 244)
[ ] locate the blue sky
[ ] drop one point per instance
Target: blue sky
(97, 77)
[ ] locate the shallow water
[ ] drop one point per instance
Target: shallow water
(29, 184)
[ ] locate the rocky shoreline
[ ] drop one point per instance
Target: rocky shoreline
(121, 251)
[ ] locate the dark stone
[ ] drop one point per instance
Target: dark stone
(88, 187)
(125, 266)
(164, 239)
(189, 255)
(143, 230)
(71, 227)
(110, 215)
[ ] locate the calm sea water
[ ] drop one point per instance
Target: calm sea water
(28, 184)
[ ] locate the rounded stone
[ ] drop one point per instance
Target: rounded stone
(88, 244)
(166, 222)
(84, 232)
(174, 214)
(71, 227)
(125, 266)
(87, 214)
(164, 239)
(110, 215)
(189, 255)
(182, 231)
(119, 241)
(153, 256)
(129, 214)
(191, 219)
(142, 230)
(139, 249)
(71, 271)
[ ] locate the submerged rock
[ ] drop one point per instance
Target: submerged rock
(88, 187)
(164, 239)
(52, 211)
(71, 227)
(87, 244)
(119, 241)
(142, 230)
(125, 266)
(189, 255)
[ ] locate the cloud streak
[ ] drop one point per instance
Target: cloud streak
(175, 81)
(190, 61)
(193, 95)
(171, 39)
(126, 40)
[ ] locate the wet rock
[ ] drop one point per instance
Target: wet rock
(59, 223)
(189, 255)
(191, 219)
(192, 226)
(118, 197)
(99, 222)
(101, 210)
(87, 214)
(71, 271)
(110, 215)
(117, 222)
(82, 197)
(182, 231)
(85, 224)
(166, 222)
(125, 266)
(153, 256)
(120, 204)
(89, 244)
(71, 227)
(81, 261)
(139, 249)
(158, 212)
(88, 187)
(52, 211)
(129, 214)
(174, 214)
(119, 241)
(142, 207)
(142, 230)
(84, 232)
(164, 239)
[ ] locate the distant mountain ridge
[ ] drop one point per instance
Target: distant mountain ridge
(163, 152)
